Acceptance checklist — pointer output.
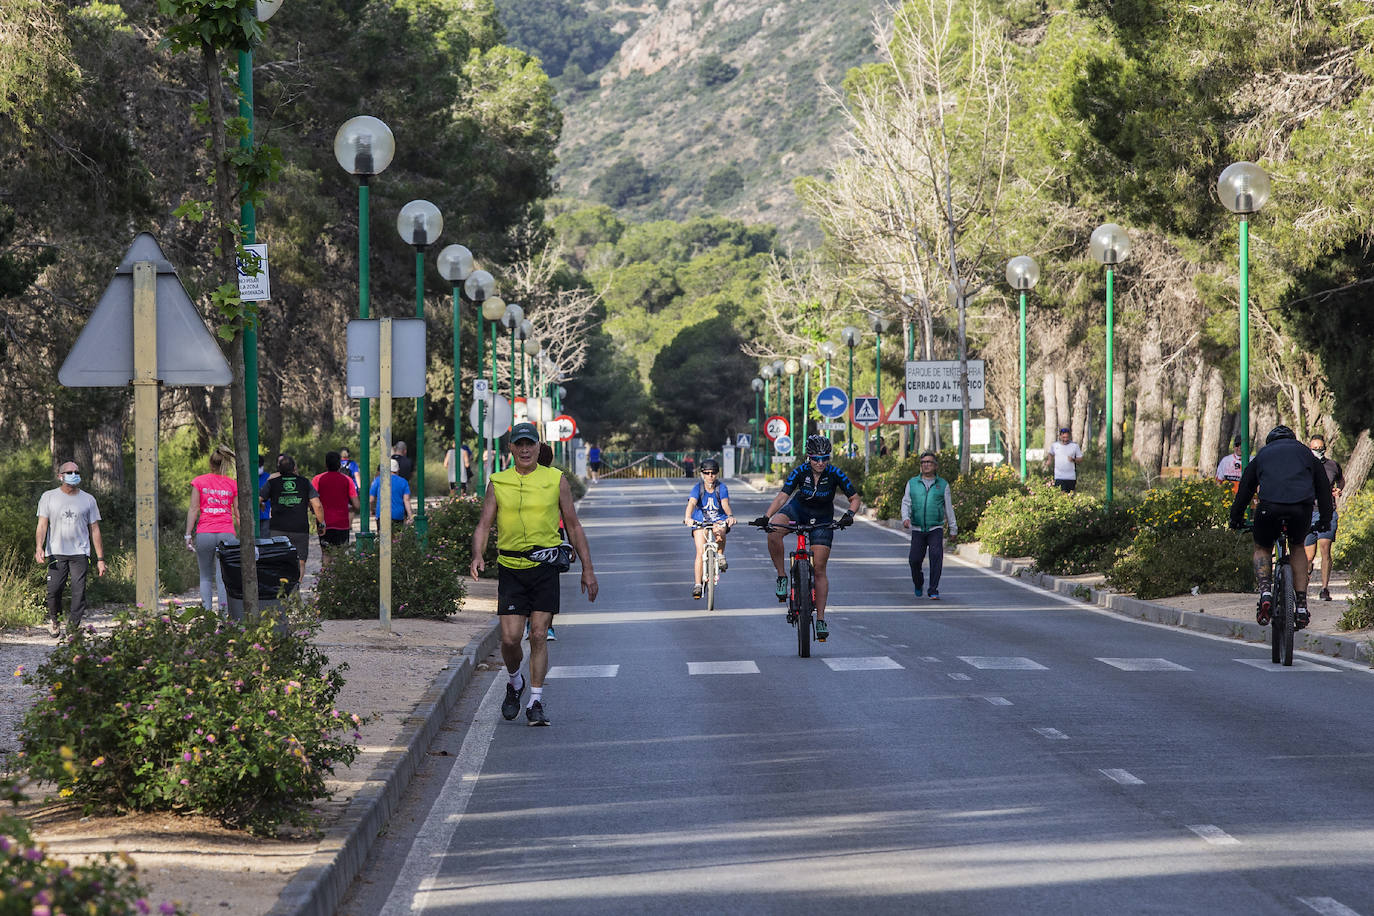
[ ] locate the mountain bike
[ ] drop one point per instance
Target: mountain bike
(710, 565)
(1284, 611)
(801, 591)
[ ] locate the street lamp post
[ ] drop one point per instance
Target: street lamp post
(525, 334)
(791, 367)
(879, 325)
(757, 385)
(1244, 189)
(850, 338)
(828, 351)
(480, 287)
(1109, 245)
(1022, 274)
(266, 9)
(419, 224)
(511, 322)
(808, 364)
(364, 147)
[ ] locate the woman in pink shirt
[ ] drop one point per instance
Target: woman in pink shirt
(212, 517)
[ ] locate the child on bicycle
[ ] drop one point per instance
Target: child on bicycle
(709, 502)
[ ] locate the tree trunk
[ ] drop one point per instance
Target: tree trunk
(1357, 467)
(1047, 392)
(107, 449)
(245, 464)
(1147, 441)
(1061, 401)
(1211, 447)
(1118, 411)
(1192, 411)
(1080, 415)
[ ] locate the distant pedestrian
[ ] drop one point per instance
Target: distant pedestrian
(338, 499)
(350, 467)
(689, 466)
(451, 467)
(1228, 468)
(926, 510)
(464, 468)
(400, 495)
(405, 465)
(1324, 538)
(264, 511)
(593, 463)
(212, 517)
(68, 527)
(293, 499)
(1064, 455)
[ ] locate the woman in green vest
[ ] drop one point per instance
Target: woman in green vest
(926, 510)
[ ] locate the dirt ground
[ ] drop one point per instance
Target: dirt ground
(210, 869)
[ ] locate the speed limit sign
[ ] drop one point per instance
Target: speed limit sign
(775, 427)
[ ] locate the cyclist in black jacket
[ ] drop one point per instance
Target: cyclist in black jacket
(808, 496)
(1289, 480)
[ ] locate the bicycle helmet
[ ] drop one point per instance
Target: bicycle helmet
(710, 464)
(1279, 432)
(818, 445)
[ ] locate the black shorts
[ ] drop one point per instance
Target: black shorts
(333, 537)
(299, 540)
(594, 465)
(520, 591)
(821, 537)
(1067, 484)
(1270, 516)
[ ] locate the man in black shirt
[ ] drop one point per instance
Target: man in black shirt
(1322, 538)
(293, 498)
(1289, 480)
(407, 467)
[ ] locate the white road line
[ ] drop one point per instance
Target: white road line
(1122, 777)
(1327, 906)
(960, 676)
(567, 671)
(420, 870)
(745, 667)
(929, 658)
(1143, 664)
(901, 645)
(997, 701)
(1299, 664)
(1002, 663)
(1214, 834)
(862, 663)
(1053, 734)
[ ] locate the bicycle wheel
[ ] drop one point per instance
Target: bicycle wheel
(801, 588)
(1290, 613)
(708, 569)
(1276, 615)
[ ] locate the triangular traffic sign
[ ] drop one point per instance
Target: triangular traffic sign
(187, 353)
(899, 413)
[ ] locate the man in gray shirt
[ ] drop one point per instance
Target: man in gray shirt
(68, 526)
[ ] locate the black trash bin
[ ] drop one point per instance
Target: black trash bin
(277, 561)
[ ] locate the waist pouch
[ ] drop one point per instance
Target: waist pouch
(559, 557)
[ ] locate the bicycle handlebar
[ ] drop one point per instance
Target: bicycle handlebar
(798, 527)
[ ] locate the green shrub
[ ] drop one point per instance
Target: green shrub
(1188, 505)
(1172, 561)
(425, 584)
(1354, 551)
(973, 493)
(1066, 533)
(188, 714)
(21, 603)
(32, 881)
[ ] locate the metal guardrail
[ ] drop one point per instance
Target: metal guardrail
(635, 465)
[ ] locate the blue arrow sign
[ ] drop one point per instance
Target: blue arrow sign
(832, 402)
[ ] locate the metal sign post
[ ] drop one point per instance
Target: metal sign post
(145, 384)
(384, 491)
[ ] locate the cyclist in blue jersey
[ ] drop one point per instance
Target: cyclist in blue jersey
(808, 496)
(709, 501)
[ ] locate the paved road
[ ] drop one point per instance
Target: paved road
(999, 751)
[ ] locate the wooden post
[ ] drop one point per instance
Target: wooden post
(145, 384)
(384, 491)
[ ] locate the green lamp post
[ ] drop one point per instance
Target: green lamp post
(510, 320)
(1022, 274)
(808, 365)
(524, 334)
(1244, 188)
(364, 146)
(827, 350)
(266, 9)
(757, 385)
(1109, 246)
(419, 224)
(849, 336)
(790, 368)
(454, 264)
(480, 287)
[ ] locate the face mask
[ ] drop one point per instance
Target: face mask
(71, 480)
(1319, 452)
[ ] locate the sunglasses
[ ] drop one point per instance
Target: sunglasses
(712, 473)
(821, 458)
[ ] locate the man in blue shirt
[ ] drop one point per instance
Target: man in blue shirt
(400, 496)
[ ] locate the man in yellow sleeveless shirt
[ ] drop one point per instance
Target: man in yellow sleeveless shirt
(526, 503)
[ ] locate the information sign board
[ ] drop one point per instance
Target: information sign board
(934, 385)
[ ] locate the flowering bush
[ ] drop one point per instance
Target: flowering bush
(453, 523)
(425, 583)
(973, 492)
(1353, 550)
(1066, 533)
(189, 714)
(1190, 505)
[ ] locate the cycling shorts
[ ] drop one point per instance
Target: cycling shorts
(821, 537)
(1313, 535)
(1269, 517)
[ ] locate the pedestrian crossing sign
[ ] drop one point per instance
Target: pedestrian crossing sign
(867, 412)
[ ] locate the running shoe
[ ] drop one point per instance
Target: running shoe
(781, 589)
(1264, 611)
(822, 631)
(510, 706)
(721, 563)
(919, 590)
(534, 713)
(1326, 594)
(54, 629)
(696, 591)
(551, 637)
(1301, 616)
(934, 594)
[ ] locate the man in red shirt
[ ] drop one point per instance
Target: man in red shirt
(338, 496)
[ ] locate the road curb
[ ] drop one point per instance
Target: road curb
(318, 888)
(1333, 646)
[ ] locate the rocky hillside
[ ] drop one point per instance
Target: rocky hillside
(680, 107)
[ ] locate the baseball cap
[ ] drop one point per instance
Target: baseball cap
(524, 432)
(1235, 443)
(1063, 429)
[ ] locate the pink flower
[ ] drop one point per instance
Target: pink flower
(186, 782)
(186, 756)
(210, 738)
(98, 762)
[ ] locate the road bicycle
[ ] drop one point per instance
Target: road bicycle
(1284, 611)
(801, 590)
(710, 565)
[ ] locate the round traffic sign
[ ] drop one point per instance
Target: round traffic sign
(562, 427)
(783, 445)
(776, 426)
(832, 402)
(497, 418)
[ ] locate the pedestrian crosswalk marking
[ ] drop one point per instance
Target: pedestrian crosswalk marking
(997, 701)
(1143, 664)
(744, 667)
(1214, 834)
(1299, 664)
(1002, 663)
(958, 676)
(567, 671)
(1327, 906)
(862, 663)
(1053, 734)
(1122, 777)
